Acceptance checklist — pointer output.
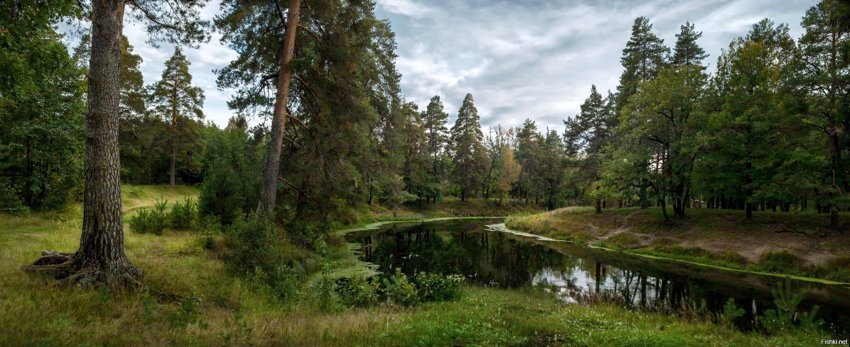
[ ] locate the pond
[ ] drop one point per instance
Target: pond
(485, 255)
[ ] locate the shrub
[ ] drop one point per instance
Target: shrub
(730, 313)
(151, 221)
(357, 291)
(434, 287)
(183, 215)
(256, 245)
(398, 289)
(781, 261)
(222, 195)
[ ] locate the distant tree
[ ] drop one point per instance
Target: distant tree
(177, 101)
(687, 51)
(825, 63)
(751, 129)
(663, 122)
(503, 170)
(552, 169)
(528, 155)
(642, 60)
(435, 129)
(467, 149)
(585, 138)
(415, 153)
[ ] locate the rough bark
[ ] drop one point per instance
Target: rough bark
(101, 257)
(268, 195)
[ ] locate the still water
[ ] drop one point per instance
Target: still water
(578, 274)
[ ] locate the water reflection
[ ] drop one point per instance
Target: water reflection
(579, 274)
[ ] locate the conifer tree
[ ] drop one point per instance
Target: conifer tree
(435, 129)
(687, 51)
(585, 138)
(826, 79)
(467, 149)
(642, 59)
(177, 101)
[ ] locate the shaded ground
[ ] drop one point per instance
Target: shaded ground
(796, 242)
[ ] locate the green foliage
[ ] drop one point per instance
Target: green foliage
(258, 249)
(730, 313)
(231, 175)
(357, 291)
(41, 109)
(434, 287)
(780, 261)
(183, 215)
(179, 104)
(399, 290)
(151, 221)
(786, 315)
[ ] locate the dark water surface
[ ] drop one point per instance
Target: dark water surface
(577, 274)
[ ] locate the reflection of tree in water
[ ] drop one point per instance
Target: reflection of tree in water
(488, 258)
(497, 259)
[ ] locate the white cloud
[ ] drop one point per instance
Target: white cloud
(408, 8)
(538, 59)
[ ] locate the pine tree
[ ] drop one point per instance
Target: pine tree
(826, 79)
(585, 138)
(435, 129)
(687, 51)
(175, 99)
(528, 155)
(467, 149)
(642, 59)
(750, 125)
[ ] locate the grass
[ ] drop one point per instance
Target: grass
(775, 243)
(191, 299)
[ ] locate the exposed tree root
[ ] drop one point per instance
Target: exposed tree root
(68, 269)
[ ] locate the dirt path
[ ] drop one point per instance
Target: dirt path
(623, 228)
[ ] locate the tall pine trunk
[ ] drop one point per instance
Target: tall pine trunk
(173, 170)
(268, 194)
(101, 257)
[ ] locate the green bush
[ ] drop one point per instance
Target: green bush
(434, 287)
(730, 313)
(400, 290)
(781, 261)
(150, 221)
(357, 291)
(182, 216)
(256, 245)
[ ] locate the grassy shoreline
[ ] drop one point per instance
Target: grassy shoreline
(191, 299)
(710, 238)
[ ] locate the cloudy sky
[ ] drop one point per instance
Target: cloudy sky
(519, 59)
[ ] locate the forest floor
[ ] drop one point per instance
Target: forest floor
(190, 298)
(792, 243)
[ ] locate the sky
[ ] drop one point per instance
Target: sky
(519, 58)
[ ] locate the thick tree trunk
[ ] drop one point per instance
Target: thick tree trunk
(598, 205)
(268, 195)
(101, 257)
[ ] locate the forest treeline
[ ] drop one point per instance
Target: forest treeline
(768, 128)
